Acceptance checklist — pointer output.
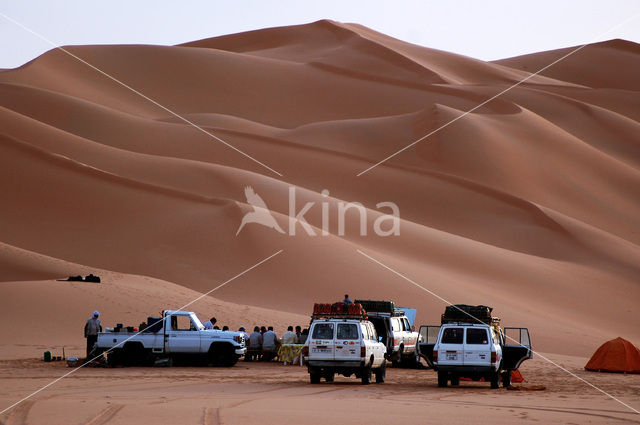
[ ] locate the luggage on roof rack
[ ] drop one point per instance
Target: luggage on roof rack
(338, 310)
(467, 314)
(377, 306)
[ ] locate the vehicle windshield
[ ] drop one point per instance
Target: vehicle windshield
(347, 331)
(197, 322)
(323, 331)
(452, 336)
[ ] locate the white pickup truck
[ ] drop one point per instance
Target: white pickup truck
(177, 335)
(344, 346)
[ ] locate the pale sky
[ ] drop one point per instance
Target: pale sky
(485, 30)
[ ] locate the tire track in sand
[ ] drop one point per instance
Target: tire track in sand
(18, 415)
(105, 416)
(211, 417)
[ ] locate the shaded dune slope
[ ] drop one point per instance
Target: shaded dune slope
(529, 204)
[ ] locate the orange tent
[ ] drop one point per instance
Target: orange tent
(617, 355)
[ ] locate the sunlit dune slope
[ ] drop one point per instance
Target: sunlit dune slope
(530, 203)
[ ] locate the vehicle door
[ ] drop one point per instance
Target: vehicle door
(450, 349)
(396, 329)
(382, 327)
(427, 338)
(366, 338)
(477, 347)
(347, 342)
(182, 335)
(321, 341)
(380, 346)
(517, 347)
(371, 343)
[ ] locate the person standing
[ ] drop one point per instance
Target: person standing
(91, 329)
(298, 334)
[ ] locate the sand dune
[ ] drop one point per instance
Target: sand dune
(579, 68)
(54, 310)
(529, 204)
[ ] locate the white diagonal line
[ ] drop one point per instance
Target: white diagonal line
(191, 123)
(138, 333)
(495, 96)
(475, 318)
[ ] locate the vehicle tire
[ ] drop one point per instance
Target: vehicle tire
(506, 379)
(329, 376)
(234, 359)
(381, 373)
(114, 357)
(442, 379)
(495, 380)
(222, 354)
(133, 354)
(455, 380)
(366, 375)
(314, 377)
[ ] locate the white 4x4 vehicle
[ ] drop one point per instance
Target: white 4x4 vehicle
(392, 324)
(177, 335)
(344, 346)
(471, 349)
(474, 350)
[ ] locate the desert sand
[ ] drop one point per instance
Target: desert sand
(261, 393)
(529, 204)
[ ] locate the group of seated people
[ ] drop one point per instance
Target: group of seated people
(263, 343)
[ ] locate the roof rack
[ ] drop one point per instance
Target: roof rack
(338, 311)
(396, 313)
(495, 321)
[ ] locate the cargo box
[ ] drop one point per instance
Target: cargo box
(154, 324)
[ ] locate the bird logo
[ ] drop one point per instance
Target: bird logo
(260, 213)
